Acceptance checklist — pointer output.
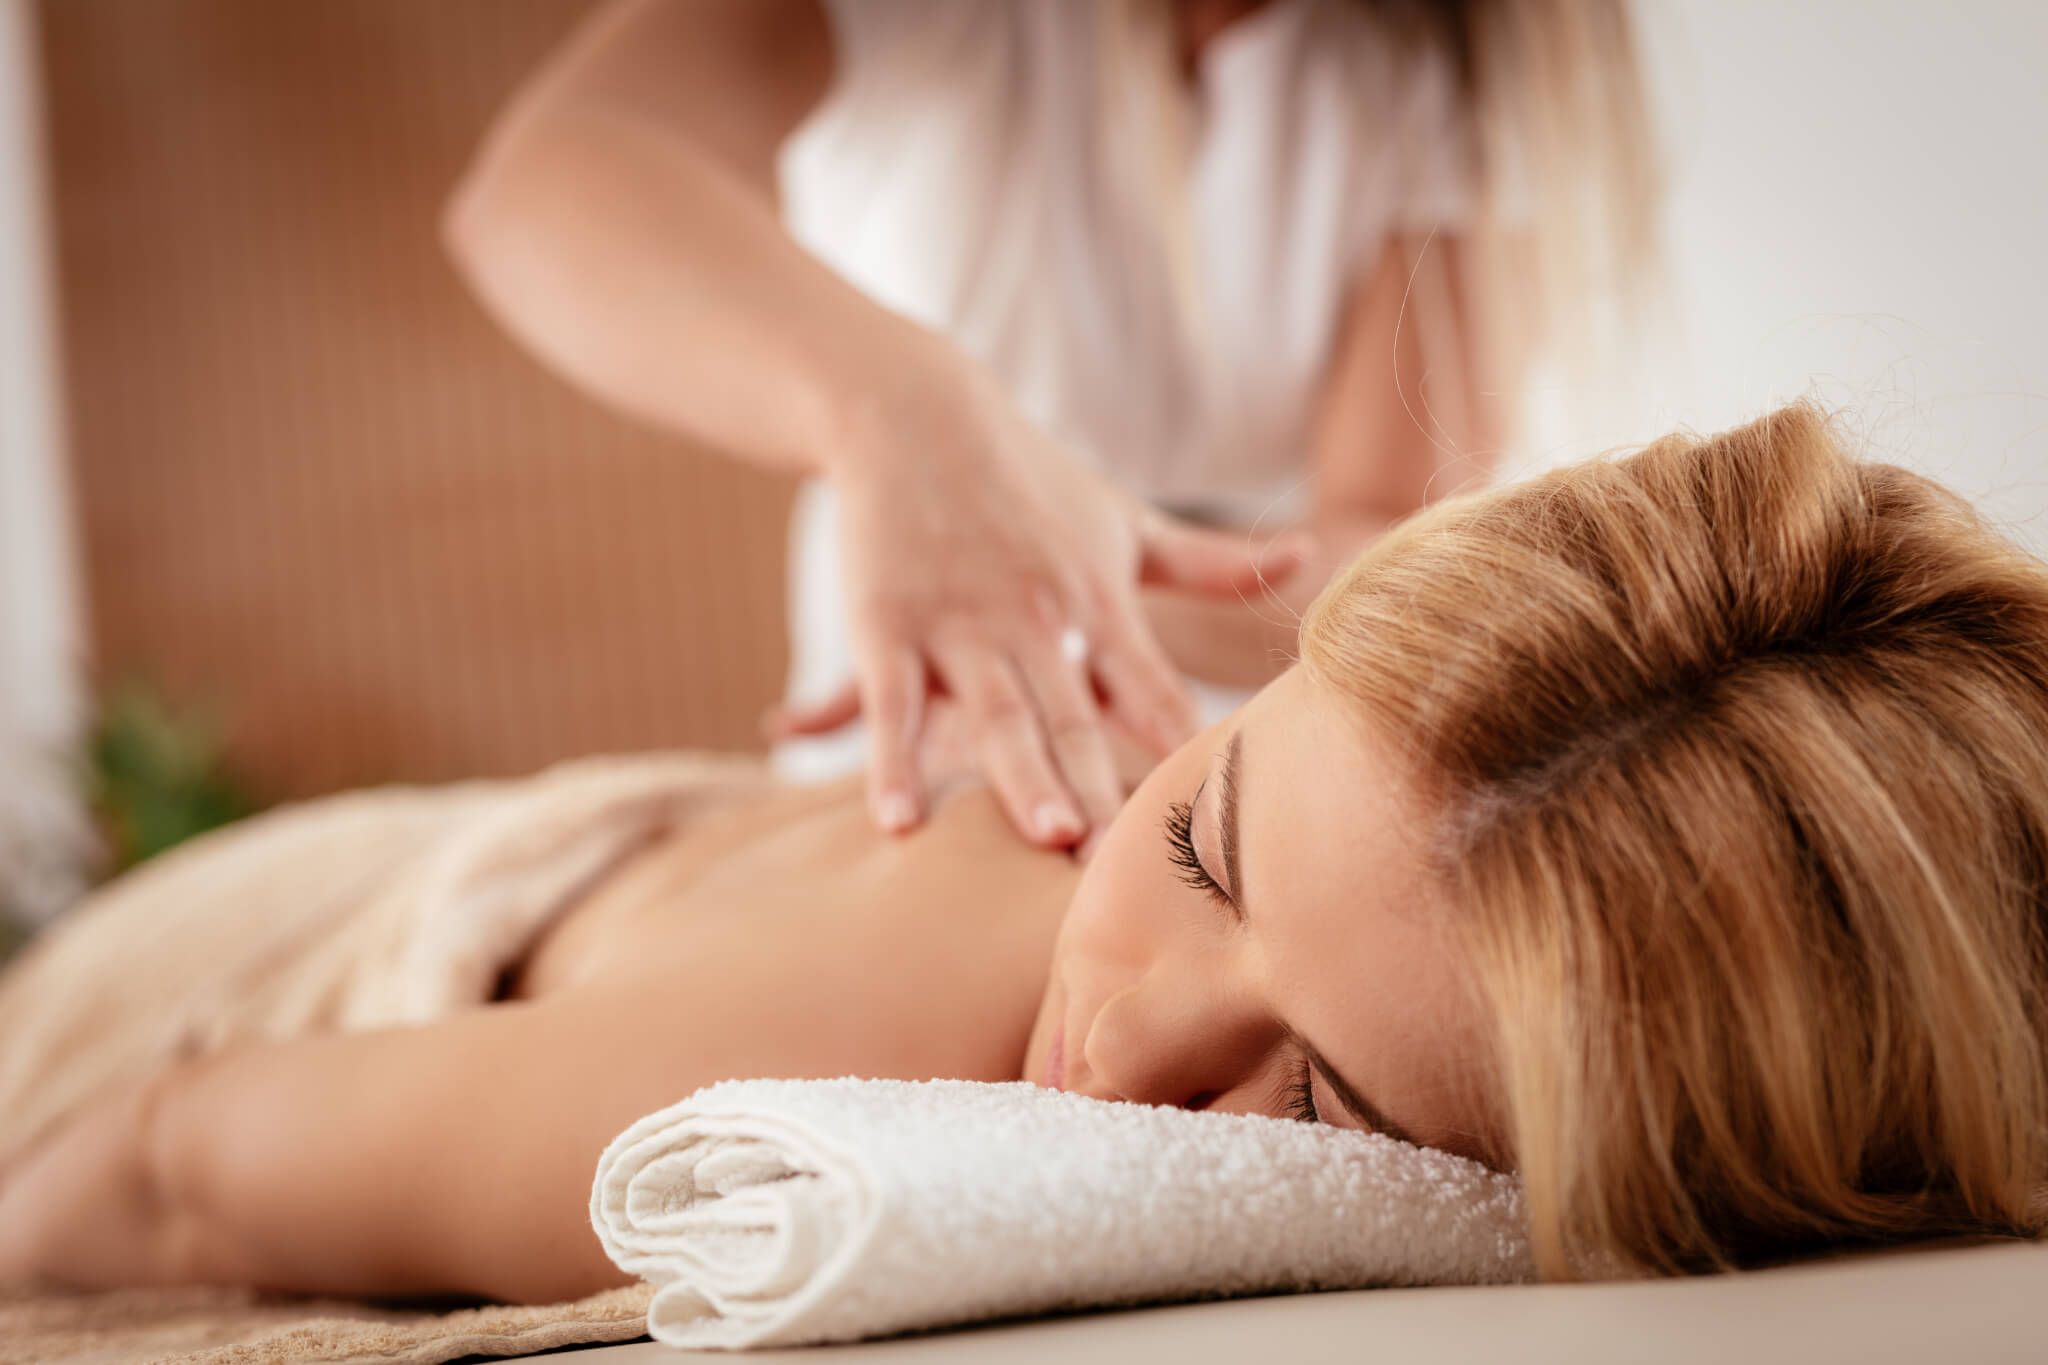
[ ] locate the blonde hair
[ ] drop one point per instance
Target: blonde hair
(1736, 757)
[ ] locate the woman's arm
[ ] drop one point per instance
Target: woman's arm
(451, 1158)
(1405, 416)
(81, 1206)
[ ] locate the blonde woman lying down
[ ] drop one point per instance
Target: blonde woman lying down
(1672, 829)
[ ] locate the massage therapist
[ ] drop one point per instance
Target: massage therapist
(1104, 329)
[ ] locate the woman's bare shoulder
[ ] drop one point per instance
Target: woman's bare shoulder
(798, 861)
(801, 941)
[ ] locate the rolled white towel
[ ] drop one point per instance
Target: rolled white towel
(776, 1213)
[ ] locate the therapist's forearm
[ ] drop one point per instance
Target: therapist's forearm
(660, 281)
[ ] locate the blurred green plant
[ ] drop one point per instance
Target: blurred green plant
(156, 774)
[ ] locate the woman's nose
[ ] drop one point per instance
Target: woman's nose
(1176, 1042)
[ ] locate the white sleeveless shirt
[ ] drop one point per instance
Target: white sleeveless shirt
(975, 166)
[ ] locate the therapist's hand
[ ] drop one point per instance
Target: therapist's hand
(977, 552)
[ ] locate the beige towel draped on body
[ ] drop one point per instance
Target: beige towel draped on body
(391, 906)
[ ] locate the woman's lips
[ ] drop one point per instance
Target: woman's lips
(1056, 1059)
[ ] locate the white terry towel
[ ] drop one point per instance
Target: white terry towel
(777, 1213)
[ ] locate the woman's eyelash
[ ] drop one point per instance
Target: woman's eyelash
(1300, 1096)
(1180, 845)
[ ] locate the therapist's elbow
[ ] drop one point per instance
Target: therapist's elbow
(507, 205)
(465, 220)
(526, 227)
(483, 218)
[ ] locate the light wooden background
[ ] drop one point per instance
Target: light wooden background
(317, 490)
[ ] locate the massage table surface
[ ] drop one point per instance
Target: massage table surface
(1978, 1303)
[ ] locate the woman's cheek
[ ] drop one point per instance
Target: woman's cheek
(1125, 883)
(1129, 888)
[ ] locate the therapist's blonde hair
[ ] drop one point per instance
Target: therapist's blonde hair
(1736, 753)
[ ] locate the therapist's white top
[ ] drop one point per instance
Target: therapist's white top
(978, 166)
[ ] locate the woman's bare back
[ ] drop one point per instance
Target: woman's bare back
(790, 919)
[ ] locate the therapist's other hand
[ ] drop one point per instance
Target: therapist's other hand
(974, 547)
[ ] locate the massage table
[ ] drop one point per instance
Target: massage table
(1985, 1302)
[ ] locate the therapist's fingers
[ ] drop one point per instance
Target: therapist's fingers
(1172, 554)
(820, 717)
(1076, 730)
(892, 693)
(1010, 737)
(1146, 692)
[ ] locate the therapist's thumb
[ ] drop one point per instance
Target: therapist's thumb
(1216, 563)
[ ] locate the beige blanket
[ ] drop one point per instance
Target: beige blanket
(383, 907)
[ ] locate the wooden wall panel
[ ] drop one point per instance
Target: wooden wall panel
(316, 487)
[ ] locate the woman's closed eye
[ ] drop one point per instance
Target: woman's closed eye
(1298, 1093)
(1180, 844)
(1180, 852)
